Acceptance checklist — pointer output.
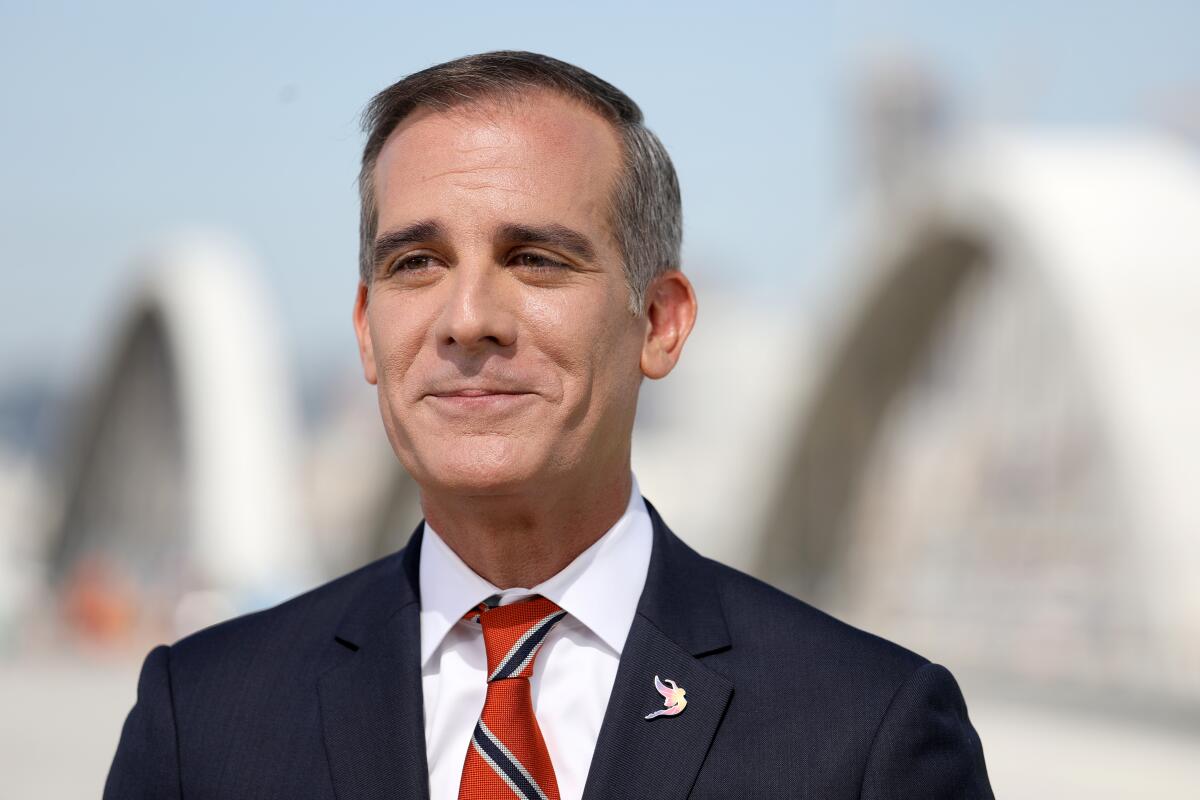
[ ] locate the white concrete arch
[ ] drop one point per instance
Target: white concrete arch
(1108, 228)
(190, 432)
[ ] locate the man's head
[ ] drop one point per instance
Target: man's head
(511, 297)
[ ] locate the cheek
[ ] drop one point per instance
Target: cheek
(591, 340)
(396, 337)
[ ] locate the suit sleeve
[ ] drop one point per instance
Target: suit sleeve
(146, 765)
(925, 746)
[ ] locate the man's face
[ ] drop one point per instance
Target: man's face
(497, 327)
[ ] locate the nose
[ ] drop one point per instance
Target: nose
(476, 315)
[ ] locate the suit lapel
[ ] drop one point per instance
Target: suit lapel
(371, 704)
(679, 621)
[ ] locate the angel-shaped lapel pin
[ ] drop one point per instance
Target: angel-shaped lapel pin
(673, 699)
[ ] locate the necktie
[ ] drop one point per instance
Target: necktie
(507, 756)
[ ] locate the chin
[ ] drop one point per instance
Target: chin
(477, 465)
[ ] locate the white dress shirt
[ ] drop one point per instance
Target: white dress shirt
(574, 671)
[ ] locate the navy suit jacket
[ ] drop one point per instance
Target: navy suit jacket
(320, 697)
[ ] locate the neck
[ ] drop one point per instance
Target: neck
(522, 539)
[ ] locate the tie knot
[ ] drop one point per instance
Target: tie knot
(513, 634)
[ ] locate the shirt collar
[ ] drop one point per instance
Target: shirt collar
(600, 588)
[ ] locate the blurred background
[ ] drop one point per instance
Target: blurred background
(944, 381)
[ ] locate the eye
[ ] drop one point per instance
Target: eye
(411, 264)
(536, 261)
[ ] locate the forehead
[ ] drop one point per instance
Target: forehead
(539, 157)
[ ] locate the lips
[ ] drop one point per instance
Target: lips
(476, 400)
(475, 392)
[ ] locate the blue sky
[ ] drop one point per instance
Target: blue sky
(125, 121)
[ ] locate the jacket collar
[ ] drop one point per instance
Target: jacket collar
(392, 588)
(682, 596)
(371, 706)
(679, 621)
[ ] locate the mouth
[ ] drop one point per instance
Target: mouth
(474, 393)
(478, 399)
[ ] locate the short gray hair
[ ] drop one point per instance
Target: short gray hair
(646, 211)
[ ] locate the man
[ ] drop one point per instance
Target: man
(543, 635)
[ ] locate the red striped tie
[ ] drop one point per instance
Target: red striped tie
(507, 756)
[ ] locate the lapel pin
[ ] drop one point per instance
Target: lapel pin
(673, 699)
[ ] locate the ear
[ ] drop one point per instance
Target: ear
(362, 329)
(670, 314)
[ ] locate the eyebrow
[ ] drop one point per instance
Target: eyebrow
(424, 231)
(551, 235)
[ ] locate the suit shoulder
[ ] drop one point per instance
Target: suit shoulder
(761, 616)
(300, 623)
